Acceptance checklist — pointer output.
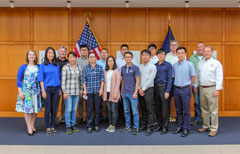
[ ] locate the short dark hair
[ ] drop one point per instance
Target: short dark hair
(92, 53)
(146, 51)
(72, 53)
(124, 45)
(83, 46)
(161, 50)
(128, 53)
(152, 45)
(182, 48)
(105, 49)
(46, 60)
(114, 63)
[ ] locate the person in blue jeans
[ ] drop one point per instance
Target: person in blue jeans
(71, 87)
(130, 82)
(49, 78)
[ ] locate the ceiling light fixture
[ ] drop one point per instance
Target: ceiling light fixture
(68, 4)
(11, 3)
(127, 4)
(187, 4)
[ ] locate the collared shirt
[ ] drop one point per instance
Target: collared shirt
(129, 75)
(154, 60)
(164, 75)
(148, 73)
(61, 63)
(93, 77)
(183, 73)
(171, 58)
(195, 60)
(101, 63)
(82, 62)
(71, 80)
(50, 75)
(209, 73)
(121, 62)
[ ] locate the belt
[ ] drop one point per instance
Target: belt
(208, 86)
(182, 87)
(162, 85)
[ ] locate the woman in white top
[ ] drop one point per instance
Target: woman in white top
(111, 92)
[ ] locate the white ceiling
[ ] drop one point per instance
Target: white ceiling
(121, 3)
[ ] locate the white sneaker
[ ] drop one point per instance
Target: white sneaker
(112, 129)
(109, 128)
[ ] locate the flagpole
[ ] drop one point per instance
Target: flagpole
(88, 14)
(169, 32)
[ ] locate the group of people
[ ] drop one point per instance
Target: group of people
(122, 84)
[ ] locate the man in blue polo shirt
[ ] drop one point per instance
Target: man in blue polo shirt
(184, 74)
(130, 82)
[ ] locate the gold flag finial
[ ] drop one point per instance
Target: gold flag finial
(88, 15)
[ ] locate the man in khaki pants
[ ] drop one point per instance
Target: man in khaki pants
(210, 78)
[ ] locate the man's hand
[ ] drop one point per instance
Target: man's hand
(100, 92)
(195, 90)
(134, 95)
(166, 95)
(216, 94)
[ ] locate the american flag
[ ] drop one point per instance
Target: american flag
(88, 38)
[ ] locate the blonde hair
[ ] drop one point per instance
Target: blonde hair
(35, 60)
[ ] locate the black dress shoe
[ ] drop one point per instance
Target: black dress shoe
(89, 130)
(156, 129)
(185, 133)
(30, 134)
(97, 129)
(164, 131)
(142, 128)
(149, 132)
(178, 130)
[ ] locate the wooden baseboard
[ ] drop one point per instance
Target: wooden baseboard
(41, 114)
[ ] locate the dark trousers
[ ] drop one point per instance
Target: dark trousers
(51, 106)
(112, 111)
(171, 95)
(93, 107)
(182, 102)
(161, 106)
(147, 108)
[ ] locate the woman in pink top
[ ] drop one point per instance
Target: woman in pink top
(111, 92)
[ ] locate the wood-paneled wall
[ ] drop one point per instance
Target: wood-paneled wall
(37, 28)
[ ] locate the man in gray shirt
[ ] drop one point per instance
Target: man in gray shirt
(82, 61)
(146, 92)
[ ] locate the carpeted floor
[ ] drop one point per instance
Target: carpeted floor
(13, 132)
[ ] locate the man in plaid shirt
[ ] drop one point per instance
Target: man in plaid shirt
(93, 81)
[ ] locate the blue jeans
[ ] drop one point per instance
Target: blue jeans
(197, 107)
(71, 110)
(127, 101)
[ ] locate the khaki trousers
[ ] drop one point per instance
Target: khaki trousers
(209, 106)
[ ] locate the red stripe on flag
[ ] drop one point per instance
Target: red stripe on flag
(76, 50)
(98, 56)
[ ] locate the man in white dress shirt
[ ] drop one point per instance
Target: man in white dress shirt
(153, 49)
(209, 78)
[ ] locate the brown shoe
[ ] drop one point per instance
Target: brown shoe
(202, 130)
(212, 133)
